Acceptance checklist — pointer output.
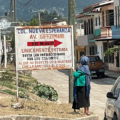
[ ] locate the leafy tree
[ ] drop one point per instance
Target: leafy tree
(110, 51)
(33, 22)
(45, 16)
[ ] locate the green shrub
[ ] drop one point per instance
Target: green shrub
(23, 93)
(23, 84)
(47, 92)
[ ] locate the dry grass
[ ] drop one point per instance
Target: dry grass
(41, 107)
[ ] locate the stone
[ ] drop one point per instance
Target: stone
(58, 102)
(17, 105)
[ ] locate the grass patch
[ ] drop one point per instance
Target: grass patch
(7, 84)
(9, 92)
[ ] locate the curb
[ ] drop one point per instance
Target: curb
(111, 77)
(27, 117)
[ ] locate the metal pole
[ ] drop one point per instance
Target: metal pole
(39, 17)
(71, 21)
(13, 10)
(17, 96)
(0, 48)
(5, 55)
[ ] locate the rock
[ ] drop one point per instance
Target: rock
(58, 102)
(17, 105)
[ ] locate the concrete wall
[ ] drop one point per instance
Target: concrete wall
(97, 15)
(83, 40)
(100, 49)
(79, 30)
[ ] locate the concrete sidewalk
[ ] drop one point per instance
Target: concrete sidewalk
(112, 74)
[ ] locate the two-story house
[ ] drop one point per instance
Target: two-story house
(104, 40)
(91, 22)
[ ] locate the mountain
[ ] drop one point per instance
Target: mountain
(61, 6)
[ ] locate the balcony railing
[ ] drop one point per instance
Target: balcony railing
(106, 32)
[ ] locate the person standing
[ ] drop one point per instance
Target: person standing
(82, 86)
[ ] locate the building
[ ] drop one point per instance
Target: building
(92, 22)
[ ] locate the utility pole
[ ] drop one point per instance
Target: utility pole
(38, 16)
(13, 10)
(71, 21)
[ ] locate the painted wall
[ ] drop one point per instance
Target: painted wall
(100, 49)
(97, 15)
(105, 8)
(79, 29)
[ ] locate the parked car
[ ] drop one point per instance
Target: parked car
(96, 65)
(112, 110)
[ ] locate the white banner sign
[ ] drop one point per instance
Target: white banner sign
(44, 47)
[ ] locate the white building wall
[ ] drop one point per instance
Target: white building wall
(97, 16)
(79, 29)
(100, 49)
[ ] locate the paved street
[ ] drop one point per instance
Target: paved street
(59, 80)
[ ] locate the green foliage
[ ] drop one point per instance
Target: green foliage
(47, 92)
(7, 84)
(9, 92)
(6, 76)
(110, 51)
(33, 22)
(44, 17)
(23, 84)
(23, 93)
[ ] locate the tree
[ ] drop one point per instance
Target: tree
(111, 51)
(33, 22)
(45, 16)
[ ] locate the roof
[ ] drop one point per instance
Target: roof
(103, 4)
(92, 8)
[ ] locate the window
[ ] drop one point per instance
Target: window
(94, 58)
(96, 21)
(89, 26)
(103, 18)
(85, 27)
(99, 21)
(117, 90)
(115, 85)
(92, 50)
(109, 17)
(92, 26)
(82, 53)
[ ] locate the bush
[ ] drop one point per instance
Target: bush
(23, 84)
(23, 93)
(47, 92)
